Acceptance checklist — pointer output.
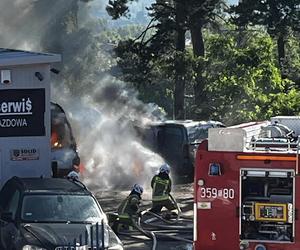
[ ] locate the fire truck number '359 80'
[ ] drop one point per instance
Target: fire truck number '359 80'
(211, 192)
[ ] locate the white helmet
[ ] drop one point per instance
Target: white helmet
(73, 175)
(165, 168)
(137, 188)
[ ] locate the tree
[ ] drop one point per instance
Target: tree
(291, 67)
(249, 85)
(200, 14)
(172, 20)
(280, 17)
(169, 38)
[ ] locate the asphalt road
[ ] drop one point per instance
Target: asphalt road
(183, 193)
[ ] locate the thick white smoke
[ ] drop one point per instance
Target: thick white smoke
(101, 110)
(109, 147)
(23, 23)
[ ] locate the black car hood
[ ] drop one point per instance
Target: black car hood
(52, 235)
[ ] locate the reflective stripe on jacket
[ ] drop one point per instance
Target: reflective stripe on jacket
(161, 188)
(129, 207)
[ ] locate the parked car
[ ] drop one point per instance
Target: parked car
(176, 141)
(52, 214)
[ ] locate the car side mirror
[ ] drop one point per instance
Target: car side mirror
(7, 216)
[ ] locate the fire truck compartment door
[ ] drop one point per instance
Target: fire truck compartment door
(267, 205)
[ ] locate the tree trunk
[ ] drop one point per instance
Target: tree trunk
(197, 40)
(201, 111)
(179, 89)
(281, 55)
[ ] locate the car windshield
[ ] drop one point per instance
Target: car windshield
(60, 208)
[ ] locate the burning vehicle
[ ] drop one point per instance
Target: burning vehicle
(176, 141)
(64, 153)
(52, 213)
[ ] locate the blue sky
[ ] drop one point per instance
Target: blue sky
(98, 6)
(233, 1)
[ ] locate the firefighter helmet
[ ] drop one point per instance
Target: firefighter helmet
(137, 188)
(165, 168)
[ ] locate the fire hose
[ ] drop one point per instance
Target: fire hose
(162, 235)
(156, 235)
(171, 223)
(177, 206)
(165, 220)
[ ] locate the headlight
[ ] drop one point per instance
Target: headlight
(30, 247)
(111, 239)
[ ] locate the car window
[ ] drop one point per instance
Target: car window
(171, 136)
(198, 133)
(73, 208)
(12, 205)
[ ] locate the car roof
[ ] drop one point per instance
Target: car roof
(187, 123)
(50, 185)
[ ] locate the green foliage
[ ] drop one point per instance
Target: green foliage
(117, 8)
(152, 76)
(280, 17)
(249, 85)
(292, 60)
(276, 15)
(166, 45)
(238, 76)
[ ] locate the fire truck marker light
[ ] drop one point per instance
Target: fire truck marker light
(244, 245)
(263, 173)
(204, 205)
(214, 169)
(278, 174)
(195, 222)
(265, 158)
(213, 236)
(201, 182)
(256, 173)
(290, 213)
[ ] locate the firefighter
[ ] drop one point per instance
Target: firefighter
(129, 209)
(161, 187)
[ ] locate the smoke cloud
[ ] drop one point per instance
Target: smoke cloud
(101, 110)
(24, 23)
(109, 146)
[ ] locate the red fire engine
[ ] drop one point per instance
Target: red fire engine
(246, 182)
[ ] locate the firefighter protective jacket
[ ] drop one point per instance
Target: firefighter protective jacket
(130, 206)
(161, 185)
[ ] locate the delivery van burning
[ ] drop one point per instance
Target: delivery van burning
(64, 153)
